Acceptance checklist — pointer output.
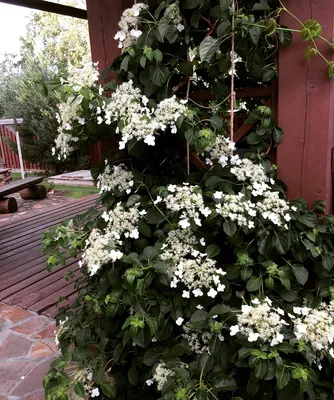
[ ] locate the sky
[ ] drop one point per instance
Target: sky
(14, 20)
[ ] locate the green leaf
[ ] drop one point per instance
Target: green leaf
(223, 28)
(246, 273)
(133, 376)
(230, 228)
(311, 30)
(186, 68)
(159, 74)
(151, 357)
(212, 250)
(278, 135)
(224, 382)
(285, 37)
(260, 368)
(255, 33)
(309, 219)
(79, 390)
(154, 216)
(217, 122)
(283, 378)
(144, 229)
(300, 273)
(205, 361)
(280, 241)
(109, 390)
(262, 6)
(328, 261)
(208, 48)
(254, 283)
(225, 4)
(150, 252)
(269, 74)
(199, 319)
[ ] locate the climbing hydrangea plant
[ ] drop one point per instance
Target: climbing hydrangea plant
(200, 279)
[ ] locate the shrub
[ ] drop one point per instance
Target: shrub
(200, 281)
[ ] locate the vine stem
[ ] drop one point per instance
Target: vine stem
(188, 146)
(232, 75)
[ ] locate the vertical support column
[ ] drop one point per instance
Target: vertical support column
(306, 108)
(103, 17)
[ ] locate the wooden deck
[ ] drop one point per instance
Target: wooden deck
(24, 280)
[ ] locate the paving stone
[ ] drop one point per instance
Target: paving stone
(43, 350)
(14, 346)
(47, 333)
(34, 380)
(33, 325)
(11, 372)
(14, 314)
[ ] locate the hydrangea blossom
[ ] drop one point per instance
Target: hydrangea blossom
(128, 106)
(260, 321)
(189, 267)
(105, 246)
(87, 75)
(189, 201)
(237, 208)
(174, 17)
(160, 375)
(274, 209)
(116, 177)
(222, 151)
(315, 326)
(129, 32)
(198, 341)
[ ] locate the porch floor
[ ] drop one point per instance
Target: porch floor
(25, 282)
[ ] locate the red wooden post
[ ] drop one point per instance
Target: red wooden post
(306, 108)
(103, 17)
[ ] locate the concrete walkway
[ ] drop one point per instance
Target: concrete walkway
(27, 347)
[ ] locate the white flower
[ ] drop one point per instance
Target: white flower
(234, 330)
(218, 195)
(81, 121)
(197, 292)
(90, 376)
(252, 337)
(134, 234)
(220, 287)
(135, 33)
(95, 392)
(158, 200)
(202, 241)
(149, 382)
(256, 301)
(199, 307)
(154, 339)
(205, 211)
(180, 27)
(293, 208)
(115, 255)
(184, 223)
(150, 140)
(212, 293)
(186, 294)
(221, 337)
(278, 339)
(171, 188)
(179, 321)
(22, 377)
(221, 272)
(208, 161)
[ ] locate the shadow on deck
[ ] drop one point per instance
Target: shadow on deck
(24, 280)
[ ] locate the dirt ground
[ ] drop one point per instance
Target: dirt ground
(31, 207)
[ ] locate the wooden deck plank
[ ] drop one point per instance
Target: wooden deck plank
(52, 312)
(24, 280)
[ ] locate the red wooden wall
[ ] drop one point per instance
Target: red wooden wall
(306, 108)
(10, 157)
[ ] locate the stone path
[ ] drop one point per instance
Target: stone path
(27, 347)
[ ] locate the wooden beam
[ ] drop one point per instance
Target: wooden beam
(49, 7)
(306, 108)
(10, 121)
(261, 91)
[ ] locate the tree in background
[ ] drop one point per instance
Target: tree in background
(29, 86)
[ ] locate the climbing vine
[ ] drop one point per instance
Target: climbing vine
(200, 280)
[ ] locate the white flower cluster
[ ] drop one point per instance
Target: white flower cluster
(188, 266)
(189, 201)
(260, 321)
(222, 150)
(173, 14)
(160, 376)
(65, 143)
(129, 32)
(104, 246)
(85, 376)
(246, 170)
(315, 326)
(236, 208)
(198, 341)
(128, 106)
(117, 178)
(274, 209)
(87, 75)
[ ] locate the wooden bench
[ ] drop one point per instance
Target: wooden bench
(29, 188)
